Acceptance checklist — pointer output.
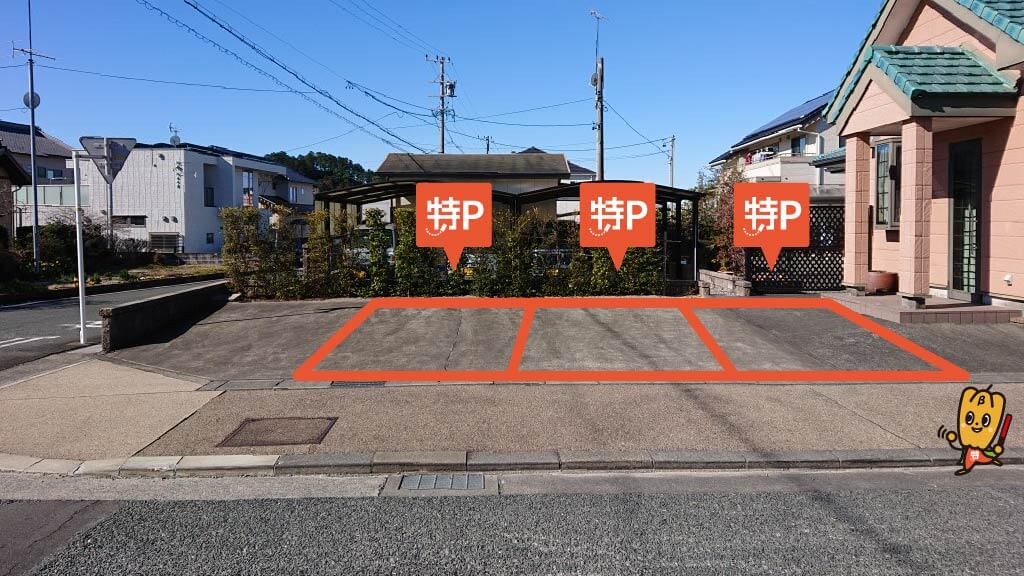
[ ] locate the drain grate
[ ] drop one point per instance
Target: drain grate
(442, 482)
(278, 432)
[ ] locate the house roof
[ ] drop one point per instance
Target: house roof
(298, 177)
(833, 157)
(1006, 15)
(918, 70)
(16, 138)
(15, 172)
(573, 167)
(411, 165)
(793, 117)
(211, 150)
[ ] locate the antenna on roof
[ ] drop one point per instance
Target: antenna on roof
(175, 139)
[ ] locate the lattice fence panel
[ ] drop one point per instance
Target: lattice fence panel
(817, 267)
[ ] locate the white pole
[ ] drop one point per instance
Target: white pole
(80, 249)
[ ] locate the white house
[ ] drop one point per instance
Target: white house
(784, 149)
(169, 196)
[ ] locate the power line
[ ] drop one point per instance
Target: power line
(404, 43)
(523, 124)
(12, 66)
(612, 108)
(408, 32)
(346, 133)
(256, 48)
(528, 109)
(13, 109)
(174, 82)
(251, 66)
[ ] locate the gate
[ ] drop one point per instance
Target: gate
(817, 267)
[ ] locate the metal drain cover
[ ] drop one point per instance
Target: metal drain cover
(442, 482)
(279, 432)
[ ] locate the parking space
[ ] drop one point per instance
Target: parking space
(802, 339)
(614, 339)
(429, 339)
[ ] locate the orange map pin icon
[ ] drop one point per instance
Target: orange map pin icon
(771, 216)
(453, 216)
(617, 216)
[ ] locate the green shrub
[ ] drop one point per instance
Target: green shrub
(379, 267)
(416, 269)
(514, 237)
(259, 258)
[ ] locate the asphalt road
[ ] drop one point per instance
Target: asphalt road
(872, 522)
(36, 329)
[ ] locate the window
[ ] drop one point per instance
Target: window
(293, 194)
(129, 220)
(208, 197)
(797, 146)
(209, 237)
(50, 195)
(49, 173)
(247, 188)
(887, 185)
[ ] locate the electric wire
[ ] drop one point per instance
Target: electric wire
(270, 57)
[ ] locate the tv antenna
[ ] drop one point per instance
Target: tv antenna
(175, 139)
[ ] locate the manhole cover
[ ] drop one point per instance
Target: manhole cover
(279, 432)
(442, 482)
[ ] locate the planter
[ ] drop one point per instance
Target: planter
(881, 282)
(723, 283)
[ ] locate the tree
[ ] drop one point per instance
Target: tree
(716, 217)
(331, 172)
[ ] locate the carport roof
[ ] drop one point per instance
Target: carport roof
(464, 165)
(367, 193)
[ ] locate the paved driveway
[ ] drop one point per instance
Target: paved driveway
(36, 329)
(267, 340)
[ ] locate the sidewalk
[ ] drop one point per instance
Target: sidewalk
(98, 410)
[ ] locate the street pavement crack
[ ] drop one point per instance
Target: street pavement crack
(455, 341)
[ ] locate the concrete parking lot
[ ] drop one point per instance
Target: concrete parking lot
(268, 340)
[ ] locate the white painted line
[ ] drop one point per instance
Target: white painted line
(11, 340)
(27, 340)
(89, 324)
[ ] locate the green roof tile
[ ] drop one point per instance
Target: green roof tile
(1006, 15)
(919, 70)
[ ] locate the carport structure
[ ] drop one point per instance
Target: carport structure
(680, 253)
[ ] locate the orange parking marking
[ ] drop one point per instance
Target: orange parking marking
(945, 371)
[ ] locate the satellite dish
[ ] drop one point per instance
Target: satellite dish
(175, 140)
(31, 100)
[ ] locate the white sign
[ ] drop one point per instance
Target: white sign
(109, 154)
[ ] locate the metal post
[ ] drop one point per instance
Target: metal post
(79, 249)
(442, 105)
(32, 146)
(672, 162)
(695, 215)
(110, 195)
(599, 96)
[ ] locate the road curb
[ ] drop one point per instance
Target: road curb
(388, 462)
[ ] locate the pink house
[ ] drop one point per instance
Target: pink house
(933, 123)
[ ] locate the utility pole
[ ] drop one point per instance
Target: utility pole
(672, 162)
(487, 139)
(597, 80)
(447, 90)
(31, 101)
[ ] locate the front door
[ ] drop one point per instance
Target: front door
(965, 223)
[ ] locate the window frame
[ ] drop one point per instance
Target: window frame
(887, 217)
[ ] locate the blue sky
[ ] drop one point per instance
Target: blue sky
(708, 72)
